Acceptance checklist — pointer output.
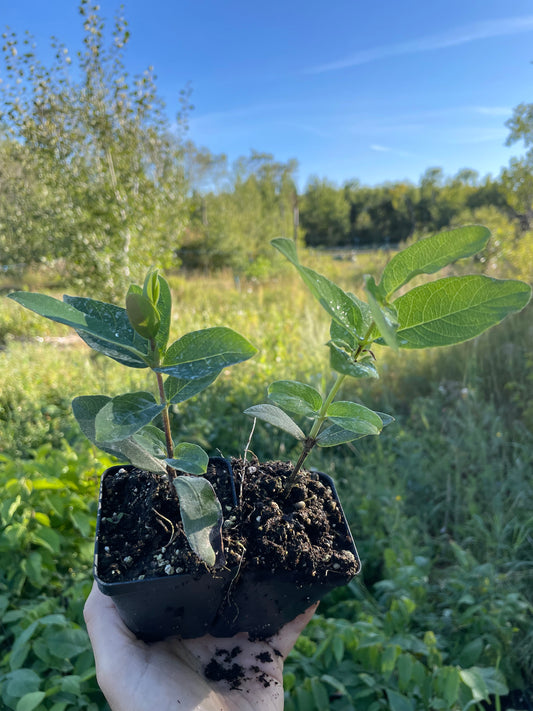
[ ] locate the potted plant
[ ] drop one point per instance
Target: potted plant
(158, 514)
(262, 541)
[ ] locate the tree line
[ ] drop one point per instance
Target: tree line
(95, 180)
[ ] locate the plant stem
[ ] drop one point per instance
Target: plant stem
(311, 439)
(164, 415)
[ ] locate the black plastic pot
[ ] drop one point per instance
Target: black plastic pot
(260, 602)
(157, 607)
(219, 602)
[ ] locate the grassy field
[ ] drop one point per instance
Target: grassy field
(440, 505)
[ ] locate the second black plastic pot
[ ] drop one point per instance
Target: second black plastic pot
(260, 602)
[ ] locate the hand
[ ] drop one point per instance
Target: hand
(170, 675)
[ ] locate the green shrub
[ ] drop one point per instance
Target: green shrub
(47, 521)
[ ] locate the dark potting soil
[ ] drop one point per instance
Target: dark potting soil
(141, 534)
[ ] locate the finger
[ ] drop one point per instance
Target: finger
(286, 638)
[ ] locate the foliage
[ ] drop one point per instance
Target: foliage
(90, 163)
(380, 650)
(47, 520)
(440, 313)
(137, 337)
(359, 216)
(235, 213)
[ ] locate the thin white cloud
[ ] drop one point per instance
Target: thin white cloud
(386, 149)
(494, 110)
(473, 135)
(460, 35)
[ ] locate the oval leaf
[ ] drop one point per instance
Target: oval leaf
(455, 309)
(203, 353)
(151, 285)
(102, 326)
(143, 315)
(336, 434)
(342, 362)
(124, 415)
(178, 390)
(338, 304)
(431, 254)
(30, 701)
(153, 440)
(274, 416)
(296, 397)
(201, 514)
(355, 418)
(189, 458)
(385, 419)
(381, 315)
(122, 343)
(86, 409)
(137, 455)
(164, 307)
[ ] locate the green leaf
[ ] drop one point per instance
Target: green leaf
(494, 680)
(86, 409)
(201, 515)
(474, 680)
(431, 254)
(339, 333)
(71, 684)
(121, 342)
(405, 669)
(455, 309)
(335, 683)
(293, 396)
(164, 307)
(189, 458)
(143, 315)
(338, 304)
(382, 316)
(17, 657)
(153, 440)
(21, 682)
(385, 419)
(471, 652)
(338, 648)
(30, 701)
(201, 354)
(320, 693)
(104, 327)
(138, 456)
(355, 418)
(178, 390)
(67, 642)
(288, 248)
(151, 286)
(48, 539)
(451, 685)
(388, 659)
(125, 415)
(342, 362)
(275, 416)
(399, 702)
(334, 435)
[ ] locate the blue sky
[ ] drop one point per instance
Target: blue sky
(370, 90)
